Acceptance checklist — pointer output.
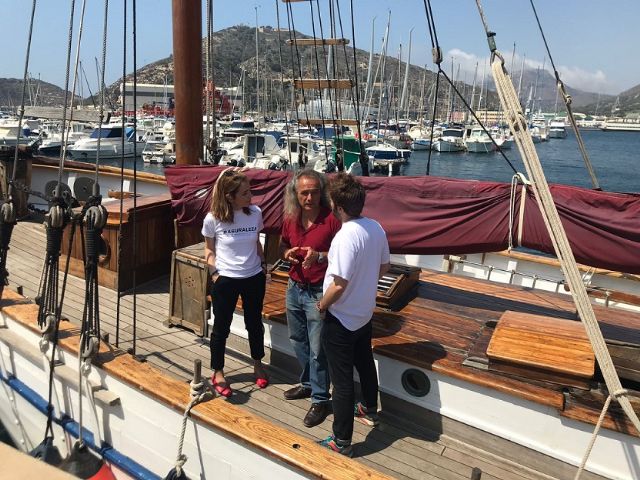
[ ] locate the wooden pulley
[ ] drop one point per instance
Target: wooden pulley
(97, 216)
(55, 217)
(49, 321)
(8, 212)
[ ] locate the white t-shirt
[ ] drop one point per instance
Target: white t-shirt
(236, 242)
(356, 253)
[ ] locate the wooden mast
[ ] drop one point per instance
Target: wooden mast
(187, 71)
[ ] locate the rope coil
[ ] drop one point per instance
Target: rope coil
(198, 394)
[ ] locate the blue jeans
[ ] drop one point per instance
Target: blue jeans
(305, 329)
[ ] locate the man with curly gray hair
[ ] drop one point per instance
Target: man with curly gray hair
(309, 226)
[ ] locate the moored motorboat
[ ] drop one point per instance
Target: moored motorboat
(114, 144)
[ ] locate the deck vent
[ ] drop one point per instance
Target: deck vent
(415, 382)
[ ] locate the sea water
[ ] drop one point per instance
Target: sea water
(615, 157)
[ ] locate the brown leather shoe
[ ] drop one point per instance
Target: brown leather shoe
(298, 392)
(316, 414)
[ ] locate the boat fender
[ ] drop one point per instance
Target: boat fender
(47, 452)
(174, 475)
(84, 464)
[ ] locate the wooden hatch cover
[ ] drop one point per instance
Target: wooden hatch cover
(542, 348)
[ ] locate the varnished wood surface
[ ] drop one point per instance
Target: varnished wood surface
(398, 448)
(543, 342)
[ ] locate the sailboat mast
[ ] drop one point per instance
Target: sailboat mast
(368, 85)
(187, 61)
(403, 98)
(257, 67)
(520, 81)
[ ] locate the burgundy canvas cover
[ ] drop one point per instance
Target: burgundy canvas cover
(603, 227)
(433, 215)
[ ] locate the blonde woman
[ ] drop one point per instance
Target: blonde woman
(236, 264)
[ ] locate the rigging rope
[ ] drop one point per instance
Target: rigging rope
(437, 58)
(315, 52)
(364, 159)
(134, 227)
(53, 337)
(8, 208)
(66, 97)
(286, 119)
(211, 142)
(124, 96)
(567, 101)
(293, 40)
(198, 394)
(65, 131)
(518, 125)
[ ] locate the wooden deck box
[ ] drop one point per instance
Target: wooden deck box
(188, 300)
(395, 288)
(154, 243)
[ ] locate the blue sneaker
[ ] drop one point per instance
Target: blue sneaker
(361, 413)
(337, 446)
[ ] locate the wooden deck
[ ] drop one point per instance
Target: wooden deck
(456, 312)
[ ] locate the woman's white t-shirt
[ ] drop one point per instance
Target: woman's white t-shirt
(236, 242)
(356, 253)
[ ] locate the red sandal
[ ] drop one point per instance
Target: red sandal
(262, 382)
(221, 388)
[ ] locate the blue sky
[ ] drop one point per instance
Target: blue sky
(594, 44)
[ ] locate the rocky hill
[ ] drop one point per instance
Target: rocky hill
(38, 93)
(541, 88)
(625, 104)
(234, 53)
(235, 58)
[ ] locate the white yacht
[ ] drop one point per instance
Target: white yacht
(557, 129)
(9, 134)
(479, 141)
(111, 144)
(452, 140)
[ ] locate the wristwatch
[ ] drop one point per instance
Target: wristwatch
(321, 257)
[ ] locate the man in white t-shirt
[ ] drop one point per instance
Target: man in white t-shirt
(358, 256)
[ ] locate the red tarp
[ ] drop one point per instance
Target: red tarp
(432, 215)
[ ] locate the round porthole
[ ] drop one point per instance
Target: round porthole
(415, 382)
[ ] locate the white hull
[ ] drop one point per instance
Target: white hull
(480, 147)
(447, 146)
(621, 127)
(107, 152)
(557, 133)
(108, 179)
(421, 144)
(139, 427)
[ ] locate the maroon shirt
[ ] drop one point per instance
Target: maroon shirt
(318, 236)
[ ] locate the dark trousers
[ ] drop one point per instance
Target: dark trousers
(225, 293)
(344, 350)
